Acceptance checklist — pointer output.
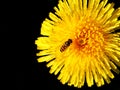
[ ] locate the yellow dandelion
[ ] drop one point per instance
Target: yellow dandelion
(82, 45)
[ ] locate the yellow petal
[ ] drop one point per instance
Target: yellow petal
(84, 6)
(96, 4)
(57, 64)
(112, 56)
(43, 43)
(45, 58)
(44, 52)
(91, 5)
(97, 10)
(54, 17)
(46, 28)
(107, 16)
(104, 10)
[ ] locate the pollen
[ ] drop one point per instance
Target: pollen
(89, 37)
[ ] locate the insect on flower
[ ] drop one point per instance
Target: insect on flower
(66, 45)
(92, 50)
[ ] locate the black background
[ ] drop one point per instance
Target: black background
(29, 73)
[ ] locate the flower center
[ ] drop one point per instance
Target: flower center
(89, 37)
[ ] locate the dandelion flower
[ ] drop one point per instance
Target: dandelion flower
(81, 44)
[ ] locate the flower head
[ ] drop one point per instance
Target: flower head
(82, 44)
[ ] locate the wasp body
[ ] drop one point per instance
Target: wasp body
(66, 45)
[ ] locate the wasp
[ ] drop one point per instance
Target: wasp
(66, 45)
